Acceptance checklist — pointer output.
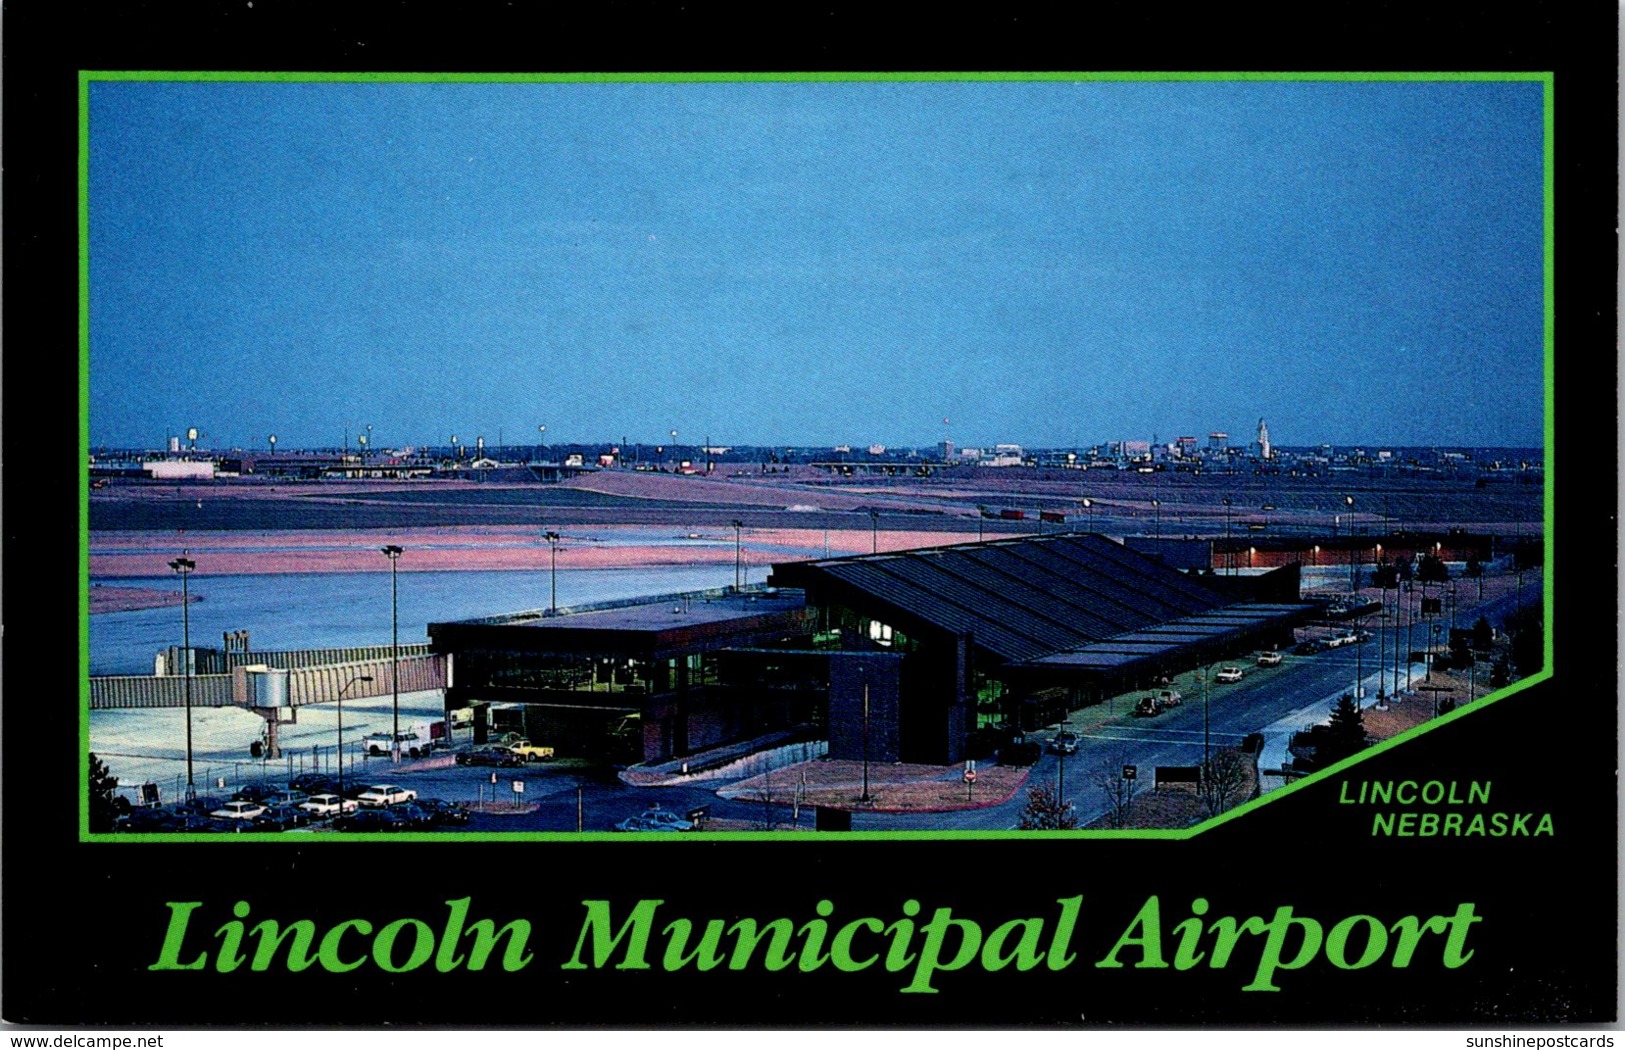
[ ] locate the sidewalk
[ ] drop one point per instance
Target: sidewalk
(899, 788)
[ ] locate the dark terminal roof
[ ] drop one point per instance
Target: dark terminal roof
(1019, 599)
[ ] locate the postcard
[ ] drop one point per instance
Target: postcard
(634, 547)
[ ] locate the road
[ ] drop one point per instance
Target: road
(1298, 693)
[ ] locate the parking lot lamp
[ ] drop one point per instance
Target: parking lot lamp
(865, 800)
(340, 754)
(1089, 509)
(553, 593)
(184, 567)
(738, 525)
(1156, 505)
(874, 531)
(393, 553)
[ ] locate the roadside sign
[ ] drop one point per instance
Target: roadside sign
(1130, 772)
(518, 787)
(970, 775)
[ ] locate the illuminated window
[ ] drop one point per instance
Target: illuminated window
(880, 633)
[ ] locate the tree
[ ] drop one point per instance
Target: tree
(1119, 792)
(1345, 733)
(1225, 780)
(1433, 569)
(1474, 568)
(1483, 634)
(1526, 629)
(1385, 576)
(103, 796)
(1046, 812)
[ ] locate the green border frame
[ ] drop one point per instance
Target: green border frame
(88, 77)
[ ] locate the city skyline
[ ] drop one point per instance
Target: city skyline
(1054, 264)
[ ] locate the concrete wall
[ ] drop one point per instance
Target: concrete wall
(307, 685)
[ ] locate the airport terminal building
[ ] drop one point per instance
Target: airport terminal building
(917, 656)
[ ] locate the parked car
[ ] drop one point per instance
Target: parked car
(655, 819)
(370, 820)
(413, 817)
(1229, 674)
(445, 813)
(380, 795)
(316, 784)
(238, 811)
(1309, 647)
(1148, 707)
(1270, 659)
(201, 806)
(1065, 743)
(255, 792)
(329, 805)
(280, 818)
(148, 820)
(490, 755)
(286, 798)
(1170, 697)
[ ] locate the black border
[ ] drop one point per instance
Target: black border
(82, 921)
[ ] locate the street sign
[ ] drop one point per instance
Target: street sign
(1130, 772)
(970, 776)
(518, 787)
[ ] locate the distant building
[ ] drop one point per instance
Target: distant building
(179, 469)
(1218, 440)
(1263, 440)
(945, 451)
(1185, 447)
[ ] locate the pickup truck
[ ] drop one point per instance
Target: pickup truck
(415, 741)
(530, 752)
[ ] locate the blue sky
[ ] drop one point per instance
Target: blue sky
(811, 264)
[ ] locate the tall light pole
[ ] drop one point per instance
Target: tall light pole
(542, 430)
(1156, 505)
(184, 567)
(340, 750)
(738, 525)
(865, 800)
(1089, 509)
(393, 553)
(1229, 555)
(674, 460)
(553, 595)
(874, 531)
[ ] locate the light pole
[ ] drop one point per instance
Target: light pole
(1229, 555)
(874, 531)
(393, 553)
(340, 749)
(674, 459)
(865, 800)
(1156, 505)
(738, 525)
(1089, 509)
(542, 430)
(553, 596)
(184, 567)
